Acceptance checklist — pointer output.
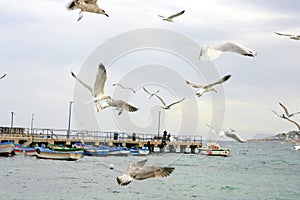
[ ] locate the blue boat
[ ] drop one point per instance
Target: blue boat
(142, 151)
(106, 151)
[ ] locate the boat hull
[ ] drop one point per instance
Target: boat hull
(7, 148)
(43, 153)
(297, 147)
(214, 152)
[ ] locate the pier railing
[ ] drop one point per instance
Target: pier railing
(83, 135)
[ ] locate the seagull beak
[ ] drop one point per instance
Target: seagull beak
(106, 15)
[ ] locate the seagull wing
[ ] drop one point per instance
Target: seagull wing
(3, 76)
(222, 80)
(152, 172)
(82, 83)
(276, 114)
(138, 164)
(176, 15)
(123, 87)
(194, 85)
(176, 102)
(296, 113)
(129, 107)
(161, 16)
(234, 48)
(146, 90)
(100, 80)
(285, 109)
(162, 101)
(283, 34)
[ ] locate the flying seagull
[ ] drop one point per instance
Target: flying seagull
(138, 171)
(232, 134)
(170, 18)
(209, 53)
(165, 106)
(207, 88)
(120, 105)
(229, 133)
(98, 90)
(287, 114)
(2, 76)
(86, 5)
(150, 94)
(293, 37)
(123, 87)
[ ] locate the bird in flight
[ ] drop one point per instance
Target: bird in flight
(101, 99)
(120, 105)
(170, 18)
(207, 88)
(123, 87)
(293, 37)
(165, 106)
(287, 114)
(210, 53)
(98, 90)
(137, 171)
(150, 94)
(233, 135)
(2, 76)
(86, 5)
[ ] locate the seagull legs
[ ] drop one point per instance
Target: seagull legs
(80, 15)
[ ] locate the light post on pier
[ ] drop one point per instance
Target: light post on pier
(11, 122)
(31, 127)
(158, 124)
(69, 125)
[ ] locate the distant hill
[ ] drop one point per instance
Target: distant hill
(294, 135)
(261, 136)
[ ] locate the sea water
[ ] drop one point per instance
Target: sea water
(262, 170)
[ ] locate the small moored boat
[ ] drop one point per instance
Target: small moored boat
(22, 150)
(7, 148)
(142, 151)
(213, 149)
(45, 153)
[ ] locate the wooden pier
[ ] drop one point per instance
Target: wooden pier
(38, 137)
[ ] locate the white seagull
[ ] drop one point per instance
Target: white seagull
(207, 88)
(86, 5)
(165, 106)
(210, 53)
(98, 90)
(150, 94)
(120, 105)
(2, 76)
(287, 114)
(232, 134)
(123, 87)
(138, 171)
(293, 37)
(170, 18)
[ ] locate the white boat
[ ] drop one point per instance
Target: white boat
(7, 148)
(297, 147)
(142, 151)
(213, 149)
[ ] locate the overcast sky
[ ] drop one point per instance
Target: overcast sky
(41, 43)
